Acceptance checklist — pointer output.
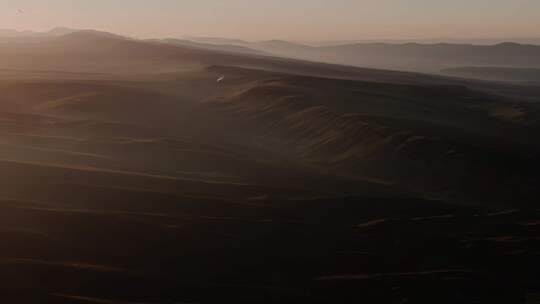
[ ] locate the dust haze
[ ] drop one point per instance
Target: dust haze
(202, 169)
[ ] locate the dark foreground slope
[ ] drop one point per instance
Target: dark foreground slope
(144, 180)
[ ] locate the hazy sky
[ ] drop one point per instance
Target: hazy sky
(283, 19)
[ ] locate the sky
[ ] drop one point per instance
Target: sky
(282, 19)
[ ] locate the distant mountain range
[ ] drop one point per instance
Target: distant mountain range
(473, 41)
(10, 33)
(410, 56)
(431, 58)
(226, 47)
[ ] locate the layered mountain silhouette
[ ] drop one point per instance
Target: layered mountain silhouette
(57, 31)
(406, 56)
(421, 57)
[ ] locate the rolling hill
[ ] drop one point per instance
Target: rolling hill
(139, 171)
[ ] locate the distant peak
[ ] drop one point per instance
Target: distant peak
(508, 44)
(94, 34)
(62, 31)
